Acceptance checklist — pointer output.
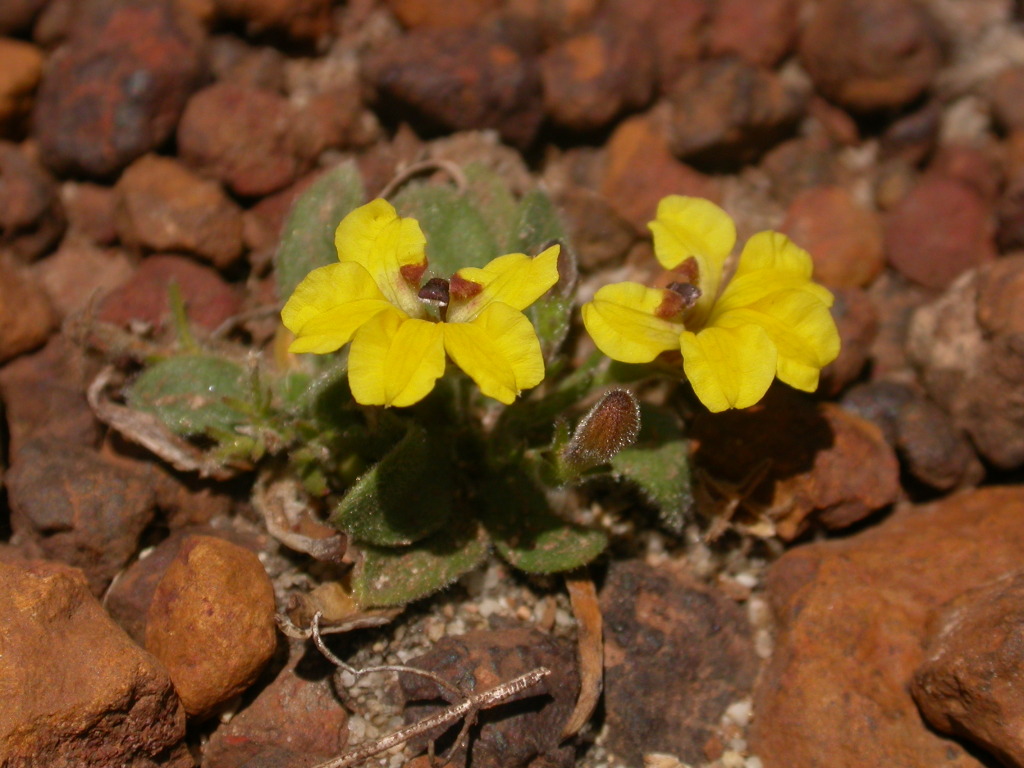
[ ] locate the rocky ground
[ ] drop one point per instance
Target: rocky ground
(856, 600)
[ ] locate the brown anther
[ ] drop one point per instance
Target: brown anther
(435, 290)
(688, 291)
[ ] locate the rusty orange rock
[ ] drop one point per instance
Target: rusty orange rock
(852, 616)
(211, 622)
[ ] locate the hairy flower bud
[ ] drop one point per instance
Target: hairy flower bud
(611, 425)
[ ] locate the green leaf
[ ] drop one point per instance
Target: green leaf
(398, 575)
(457, 235)
(537, 225)
(307, 239)
(491, 196)
(527, 533)
(193, 394)
(662, 473)
(403, 497)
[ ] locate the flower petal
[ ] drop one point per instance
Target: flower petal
(623, 322)
(514, 279)
(390, 248)
(729, 367)
(775, 251)
(801, 329)
(329, 305)
(693, 226)
(395, 360)
(499, 350)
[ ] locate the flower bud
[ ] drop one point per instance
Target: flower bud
(611, 425)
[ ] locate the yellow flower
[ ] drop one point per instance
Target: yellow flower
(769, 320)
(401, 331)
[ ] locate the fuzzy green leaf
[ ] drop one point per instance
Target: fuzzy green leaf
(528, 534)
(307, 238)
(193, 394)
(494, 200)
(403, 497)
(457, 235)
(662, 473)
(537, 225)
(397, 575)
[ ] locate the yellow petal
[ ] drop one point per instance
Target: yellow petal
(623, 322)
(753, 287)
(329, 305)
(729, 367)
(499, 350)
(395, 360)
(514, 279)
(775, 251)
(390, 248)
(693, 226)
(801, 329)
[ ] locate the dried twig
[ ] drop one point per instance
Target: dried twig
(437, 164)
(468, 707)
(590, 649)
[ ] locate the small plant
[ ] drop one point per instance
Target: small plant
(425, 402)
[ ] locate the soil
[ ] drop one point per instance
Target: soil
(809, 610)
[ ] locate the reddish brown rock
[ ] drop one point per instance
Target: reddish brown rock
(44, 395)
(21, 66)
(592, 77)
(441, 14)
(333, 119)
(163, 206)
(116, 89)
(852, 616)
(940, 230)
(1005, 91)
(857, 320)
(261, 224)
(759, 32)
(969, 349)
(31, 214)
(843, 237)
(209, 301)
(94, 699)
(90, 212)
(826, 465)
(459, 79)
(799, 164)
(514, 737)
(79, 274)
(211, 622)
(129, 598)
(870, 55)
(674, 30)
(641, 170)
(911, 138)
(26, 318)
(242, 136)
(1010, 215)
(677, 654)
(598, 233)
(18, 15)
(968, 685)
(975, 168)
(931, 448)
(307, 20)
(234, 60)
(725, 111)
(270, 721)
(78, 507)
